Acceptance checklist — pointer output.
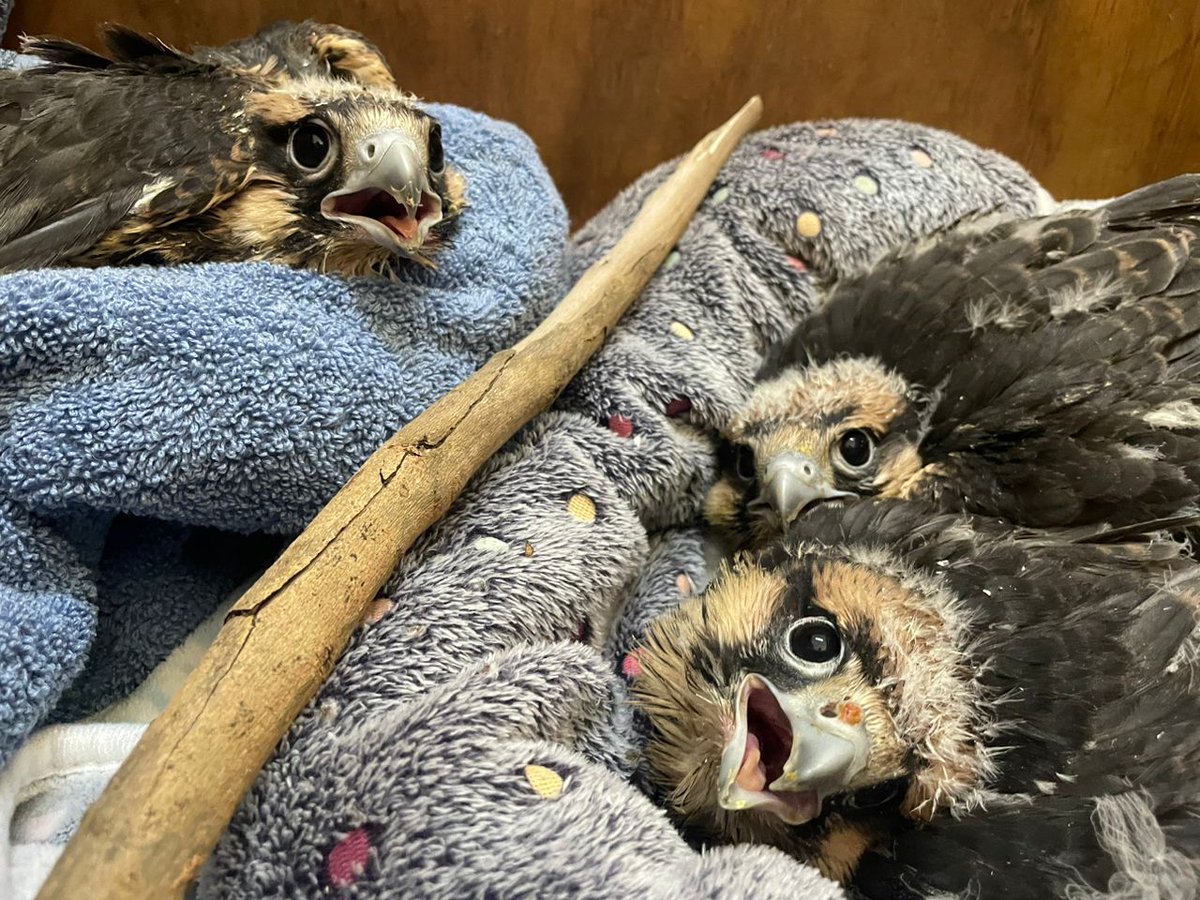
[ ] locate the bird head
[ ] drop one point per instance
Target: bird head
(290, 50)
(844, 428)
(807, 678)
(343, 177)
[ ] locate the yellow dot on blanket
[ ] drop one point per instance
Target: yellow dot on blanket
(529, 549)
(720, 196)
(921, 158)
(546, 783)
(671, 261)
(865, 184)
(582, 507)
(808, 224)
(681, 331)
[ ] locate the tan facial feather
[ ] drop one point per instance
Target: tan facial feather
(841, 847)
(342, 250)
(874, 394)
(742, 602)
(259, 218)
(808, 410)
(935, 698)
(693, 716)
(903, 475)
(353, 58)
(692, 720)
(276, 108)
(456, 193)
(928, 704)
(321, 89)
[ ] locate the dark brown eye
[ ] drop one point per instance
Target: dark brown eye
(310, 146)
(856, 447)
(816, 641)
(743, 462)
(437, 157)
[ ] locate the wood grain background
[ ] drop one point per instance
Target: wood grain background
(1094, 96)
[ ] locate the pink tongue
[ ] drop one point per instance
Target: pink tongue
(406, 227)
(752, 776)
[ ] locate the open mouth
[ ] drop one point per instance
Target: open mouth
(768, 741)
(765, 753)
(385, 219)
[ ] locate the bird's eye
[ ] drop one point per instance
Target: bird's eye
(815, 641)
(856, 447)
(310, 146)
(437, 157)
(744, 463)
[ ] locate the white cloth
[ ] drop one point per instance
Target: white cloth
(52, 780)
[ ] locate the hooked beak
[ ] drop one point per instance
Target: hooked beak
(387, 193)
(793, 482)
(787, 754)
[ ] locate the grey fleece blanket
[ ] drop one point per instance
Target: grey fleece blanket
(475, 740)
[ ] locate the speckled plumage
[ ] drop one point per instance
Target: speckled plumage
(998, 678)
(1043, 371)
(156, 156)
(291, 50)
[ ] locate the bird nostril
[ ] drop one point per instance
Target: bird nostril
(370, 148)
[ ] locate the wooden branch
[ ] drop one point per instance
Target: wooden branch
(164, 810)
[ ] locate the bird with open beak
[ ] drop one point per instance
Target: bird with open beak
(918, 703)
(1042, 371)
(150, 155)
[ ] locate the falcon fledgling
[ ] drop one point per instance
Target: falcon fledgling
(1042, 371)
(931, 704)
(154, 156)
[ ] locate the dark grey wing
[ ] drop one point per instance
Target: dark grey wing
(1016, 276)
(80, 149)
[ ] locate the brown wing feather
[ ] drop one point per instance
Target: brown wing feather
(83, 143)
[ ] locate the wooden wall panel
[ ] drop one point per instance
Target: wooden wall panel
(1094, 96)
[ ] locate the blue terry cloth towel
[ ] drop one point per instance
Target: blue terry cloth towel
(152, 417)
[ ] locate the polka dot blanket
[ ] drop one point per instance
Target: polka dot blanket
(475, 740)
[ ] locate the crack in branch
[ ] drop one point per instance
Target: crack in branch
(385, 478)
(199, 714)
(415, 449)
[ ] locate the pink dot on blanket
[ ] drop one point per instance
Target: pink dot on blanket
(797, 264)
(621, 426)
(772, 154)
(679, 406)
(631, 666)
(347, 861)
